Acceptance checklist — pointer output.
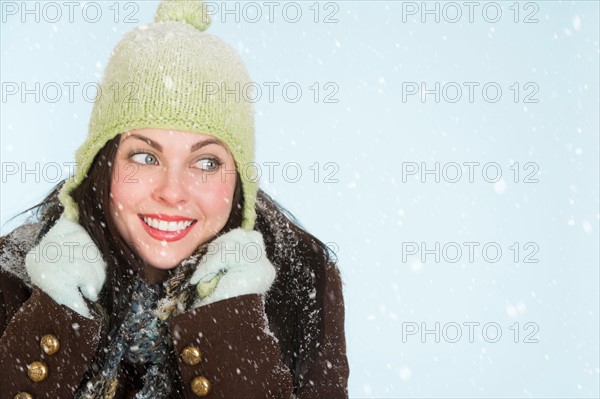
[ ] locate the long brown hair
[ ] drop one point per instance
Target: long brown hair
(299, 257)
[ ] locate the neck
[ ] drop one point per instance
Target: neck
(153, 275)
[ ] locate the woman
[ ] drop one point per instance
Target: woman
(160, 270)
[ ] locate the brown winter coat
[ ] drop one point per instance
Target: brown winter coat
(240, 357)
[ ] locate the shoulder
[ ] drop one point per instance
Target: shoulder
(13, 248)
(15, 286)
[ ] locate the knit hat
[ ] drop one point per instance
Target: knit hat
(172, 75)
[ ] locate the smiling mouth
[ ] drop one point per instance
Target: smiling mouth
(166, 228)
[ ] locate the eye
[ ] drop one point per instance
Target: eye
(209, 164)
(144, 158)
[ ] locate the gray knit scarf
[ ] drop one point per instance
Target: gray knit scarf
(143, 340)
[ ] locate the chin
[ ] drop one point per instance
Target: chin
(163, 266)
(163, 262)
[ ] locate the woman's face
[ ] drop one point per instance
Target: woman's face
(170, 192)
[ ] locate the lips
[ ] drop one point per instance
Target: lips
(165, 227)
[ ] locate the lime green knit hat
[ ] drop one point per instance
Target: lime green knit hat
(172, 75)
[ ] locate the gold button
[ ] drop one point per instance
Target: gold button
(200, 386)
(23, 395)
(191, 355)
(50, 344)
(37, 371)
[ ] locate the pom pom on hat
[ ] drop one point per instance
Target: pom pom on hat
(194, 12)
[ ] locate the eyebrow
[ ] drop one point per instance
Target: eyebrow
(158, 147)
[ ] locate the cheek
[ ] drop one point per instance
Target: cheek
(216, 199)
(128, 187)
(117, 191)
(125, 190)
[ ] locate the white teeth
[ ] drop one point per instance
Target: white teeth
(163, 225)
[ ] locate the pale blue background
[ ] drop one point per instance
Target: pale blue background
(369, 212)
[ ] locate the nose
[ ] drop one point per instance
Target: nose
(171, 188)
